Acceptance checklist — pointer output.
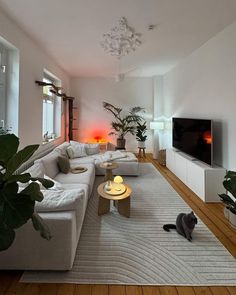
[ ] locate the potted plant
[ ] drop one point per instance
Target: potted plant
(229, 184)
(17, 207)
(141, 136)
(124, 123)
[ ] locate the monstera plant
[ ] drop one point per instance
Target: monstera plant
(17, 206)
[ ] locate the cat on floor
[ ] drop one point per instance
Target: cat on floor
(184, 226)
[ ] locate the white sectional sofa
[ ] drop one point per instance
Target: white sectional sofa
(29, 251)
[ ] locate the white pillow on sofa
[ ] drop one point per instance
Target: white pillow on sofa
(78, 148)
(70, 152)
(92, 148)
(50, 164)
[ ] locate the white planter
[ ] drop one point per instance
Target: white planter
(226, 213)
(141, 144)
(232, 219)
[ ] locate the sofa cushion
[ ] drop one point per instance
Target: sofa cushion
(84, 160)
(70, 152)
(60, 200)
(78, 148)
(61, 149)
(92, 149)
(50, 164)
(63, 164)
(86, 177)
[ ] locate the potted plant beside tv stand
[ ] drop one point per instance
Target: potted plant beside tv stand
(205, 181)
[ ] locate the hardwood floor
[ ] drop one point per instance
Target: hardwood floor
(210, 214)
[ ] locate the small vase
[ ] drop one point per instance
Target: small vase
(108, 186)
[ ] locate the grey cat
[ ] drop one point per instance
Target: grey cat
(185, 224)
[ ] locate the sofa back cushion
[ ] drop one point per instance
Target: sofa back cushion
(37, 170)
(50, 164)
(78, 148)
(61, 149)
(92, 148)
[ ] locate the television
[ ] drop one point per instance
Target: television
(194, 137)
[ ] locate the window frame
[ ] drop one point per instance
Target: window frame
(57, 105)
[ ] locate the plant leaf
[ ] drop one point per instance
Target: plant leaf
(227, 200)
(9, 144)
(7, 236)
(19, 178)
(230, 174)
(230, 185)
(233, 210)
(19, 158)
(33, 191)
(18, 208)
(40, 226)
(45, 182)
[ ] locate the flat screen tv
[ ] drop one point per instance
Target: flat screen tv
(194, 137)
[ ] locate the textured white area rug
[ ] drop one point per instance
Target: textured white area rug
(117, 250)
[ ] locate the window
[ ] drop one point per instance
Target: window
(3, 64)
(51, 110)
(9, 87)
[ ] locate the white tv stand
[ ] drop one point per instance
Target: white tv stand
(203, 180)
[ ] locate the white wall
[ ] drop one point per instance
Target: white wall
(204, 86)
(33, 61)
(94, 120)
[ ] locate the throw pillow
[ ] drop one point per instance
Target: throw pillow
(70, 152)
(79, 149)
(63, 164)
(92, 149)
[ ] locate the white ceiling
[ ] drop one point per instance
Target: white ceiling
(71, 31)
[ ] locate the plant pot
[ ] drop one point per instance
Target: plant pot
(232, 219)
(120, 143)
(226, 213)
(141, 144)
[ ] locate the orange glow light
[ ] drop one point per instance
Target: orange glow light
(207, 137)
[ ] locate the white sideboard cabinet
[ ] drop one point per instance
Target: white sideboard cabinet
(203, 180)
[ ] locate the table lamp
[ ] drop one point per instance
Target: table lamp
(118, 180)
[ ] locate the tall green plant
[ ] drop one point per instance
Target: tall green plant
(17, 207)
(141, 130)
(124, 123)
(229, 184)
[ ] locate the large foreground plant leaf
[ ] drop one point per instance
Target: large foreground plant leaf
(33, 191)
(45, 182)
(19, 178)
(40, 226)
(18, 208)
(7, 236)
(19, 158)
(9, 144)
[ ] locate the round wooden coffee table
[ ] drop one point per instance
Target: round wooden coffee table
(122, 201)
(108, 175)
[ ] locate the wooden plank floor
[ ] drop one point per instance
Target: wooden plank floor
(210, 214)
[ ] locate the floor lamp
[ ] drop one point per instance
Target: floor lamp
(156, 126)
